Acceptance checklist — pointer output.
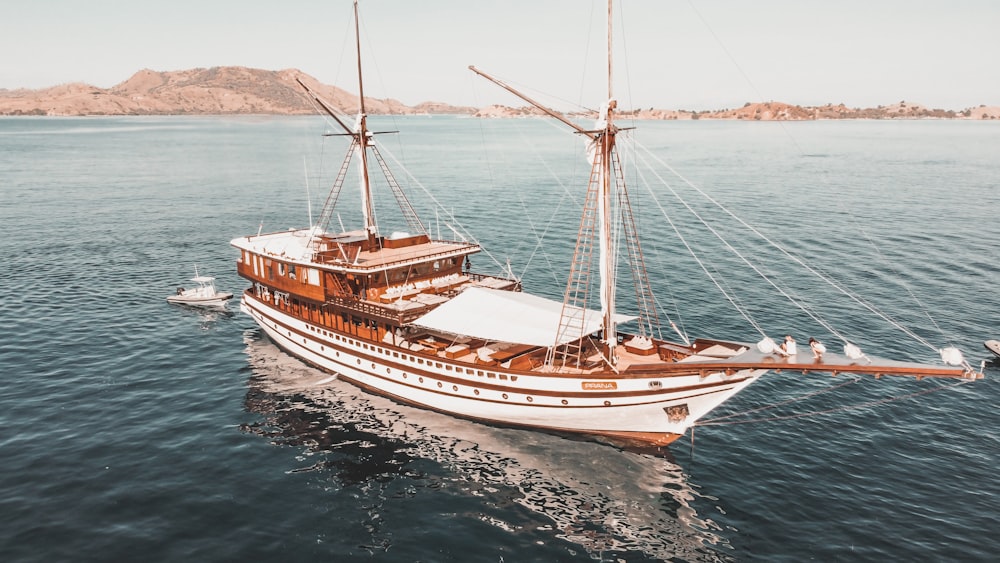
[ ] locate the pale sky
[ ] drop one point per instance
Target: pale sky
(676, 54)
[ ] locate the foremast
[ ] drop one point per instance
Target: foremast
(597, 221)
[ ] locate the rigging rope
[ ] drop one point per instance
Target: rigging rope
(539, 238)
(721, 422)
(440, 206)
(833, 283)
(900, 277)
(850, 381)
(726, 294)
(736, 252)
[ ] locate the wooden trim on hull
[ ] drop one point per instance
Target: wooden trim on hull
(622, 438)
(622, 418)
(693, 391)
(646, 439)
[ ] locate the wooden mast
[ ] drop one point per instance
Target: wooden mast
(367, 209)
(606, 140)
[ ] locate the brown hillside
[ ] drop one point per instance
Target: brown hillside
(217, 90)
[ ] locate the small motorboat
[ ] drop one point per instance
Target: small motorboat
(993, 346)
(203, 295)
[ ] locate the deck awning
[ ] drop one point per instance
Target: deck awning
(507, 316)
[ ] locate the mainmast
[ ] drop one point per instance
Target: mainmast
(363, 137)
(604, 186)
(362, 141)
(605, 145)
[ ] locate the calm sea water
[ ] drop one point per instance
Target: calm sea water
(137, 430)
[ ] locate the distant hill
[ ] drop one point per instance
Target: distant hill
(778, 111)
(240, 90)
(202, 91)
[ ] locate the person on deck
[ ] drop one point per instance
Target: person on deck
(817, 348)
(788, 346)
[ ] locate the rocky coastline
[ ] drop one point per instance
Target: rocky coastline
(241, 90)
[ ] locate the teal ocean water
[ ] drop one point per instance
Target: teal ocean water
(137, 430)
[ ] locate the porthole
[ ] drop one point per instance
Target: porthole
(404, 376)
(607, 403)
(454, 388)
(359, 361)
(530, 400)
(565, 402)
(388, 370)
(421, 380)
(440, 385)
(504, 395)
(374, 366)
(476, 391)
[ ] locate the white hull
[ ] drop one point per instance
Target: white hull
(636, 405)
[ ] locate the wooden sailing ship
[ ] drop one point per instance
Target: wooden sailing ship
(404, 316)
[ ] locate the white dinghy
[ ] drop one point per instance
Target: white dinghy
(993, 346)
(204, 294)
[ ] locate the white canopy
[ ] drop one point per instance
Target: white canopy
(507, 316)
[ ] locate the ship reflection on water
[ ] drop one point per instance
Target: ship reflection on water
(599, 498)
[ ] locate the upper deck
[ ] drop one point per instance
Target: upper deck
(352, 252)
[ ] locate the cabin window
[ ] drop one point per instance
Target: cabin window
(291, 271)
(311, 275)
(256, 270)
(281, 268)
